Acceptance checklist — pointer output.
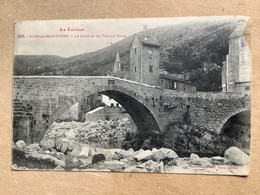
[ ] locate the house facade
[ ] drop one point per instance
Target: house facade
(176, 82)
(89, 103)
(144, 59)
(236, 70)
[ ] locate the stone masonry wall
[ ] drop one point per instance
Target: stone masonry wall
(48, 95)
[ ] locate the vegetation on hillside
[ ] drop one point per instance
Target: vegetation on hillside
(198, 48)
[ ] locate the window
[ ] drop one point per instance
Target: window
(242, 42)
(174, 85)
(150, 68)
(135, 69)
(135, 50)
(244, 74)
(150, 52)
(243, 57)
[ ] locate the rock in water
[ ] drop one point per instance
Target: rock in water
(236, 156)
(98, 157)
(20, 144)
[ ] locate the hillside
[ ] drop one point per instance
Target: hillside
(33, 64)
(186, 47)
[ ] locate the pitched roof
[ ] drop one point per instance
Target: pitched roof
(238, 32)
(147, 40)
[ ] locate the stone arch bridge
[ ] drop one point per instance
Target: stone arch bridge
(151, 108)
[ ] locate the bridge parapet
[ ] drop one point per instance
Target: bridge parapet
(211, 110)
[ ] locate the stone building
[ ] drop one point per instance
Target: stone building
(236, 70)
(144, 59)
(176, 82)
(89, 103)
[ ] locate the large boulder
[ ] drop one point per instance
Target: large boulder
(217, 160)
(158, 154)
(47, 144)
(206, 139)
(75, 151)
(145, 155)
(64, 147)
(236, 156)
(33, 147)
(159, 168)
(194, 157)
(126, 153)
(98, 157)
(169, 153)
(58, 168)
(20, 144)
(204, 162)
(149, 165)
(108, 153)
(130, 169)
(117, 156)
(62, 144)
(85, 151)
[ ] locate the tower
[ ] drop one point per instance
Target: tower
(144, 59)
(117, 64)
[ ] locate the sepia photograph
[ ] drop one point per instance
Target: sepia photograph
(152, 95)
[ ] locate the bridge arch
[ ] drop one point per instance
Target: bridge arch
(232, 114)
(141, 114)
(238, 128)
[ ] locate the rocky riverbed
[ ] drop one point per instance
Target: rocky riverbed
(96, 146)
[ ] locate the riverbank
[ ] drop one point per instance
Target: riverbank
(163, 160)
(107, 146)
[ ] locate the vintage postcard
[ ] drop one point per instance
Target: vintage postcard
(161, 95)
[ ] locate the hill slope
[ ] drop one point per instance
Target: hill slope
(33, 64)
(186, 47)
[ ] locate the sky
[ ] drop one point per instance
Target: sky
(66, 47)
